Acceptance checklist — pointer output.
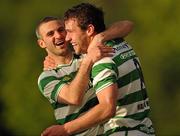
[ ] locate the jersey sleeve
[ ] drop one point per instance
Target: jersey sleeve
(50, 86)
(103, 74)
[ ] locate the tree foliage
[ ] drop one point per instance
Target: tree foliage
(24, 111)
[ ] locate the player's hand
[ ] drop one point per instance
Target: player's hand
(55, 130)
(49, 63)
(98, 50)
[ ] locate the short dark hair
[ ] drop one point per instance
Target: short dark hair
(86, 14)
(45, 20)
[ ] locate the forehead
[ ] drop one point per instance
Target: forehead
(50, 26)
(71, 23)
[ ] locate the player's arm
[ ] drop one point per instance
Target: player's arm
(94, 116)
(117, 29)
(104, 82)
(97, 114)
(73, 92)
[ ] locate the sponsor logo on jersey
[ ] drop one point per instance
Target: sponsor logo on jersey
(127, 54)
(121, 46)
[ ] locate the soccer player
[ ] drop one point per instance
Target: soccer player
(122, 72)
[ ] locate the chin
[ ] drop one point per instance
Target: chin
(77, 53)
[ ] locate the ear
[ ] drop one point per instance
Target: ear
(41, 43)
(90, 30)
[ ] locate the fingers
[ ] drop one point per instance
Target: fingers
(106, 52)
(49, 63)
(107, 55)
(48, 66)
(105, 49)
(98, 52)
(45, 133)
(49, 59)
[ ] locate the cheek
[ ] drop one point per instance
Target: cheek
(73, 36)
(69, 36)
(64, 35)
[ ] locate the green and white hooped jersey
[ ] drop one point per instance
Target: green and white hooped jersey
(50, 84)
(132, 105)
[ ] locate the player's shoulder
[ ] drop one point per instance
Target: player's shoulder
(45, 74)
(103, 61)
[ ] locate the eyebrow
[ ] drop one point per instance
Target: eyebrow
(49, 32)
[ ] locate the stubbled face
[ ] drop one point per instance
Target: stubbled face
(53, 37)
(78, 38)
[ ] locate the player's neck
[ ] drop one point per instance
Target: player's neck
(63, 59)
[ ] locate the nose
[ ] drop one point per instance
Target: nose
(58, 35)
(68, 38)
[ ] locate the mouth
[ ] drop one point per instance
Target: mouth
(59, 43)
(73, 44)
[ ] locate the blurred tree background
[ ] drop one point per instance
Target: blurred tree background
(25, 112)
